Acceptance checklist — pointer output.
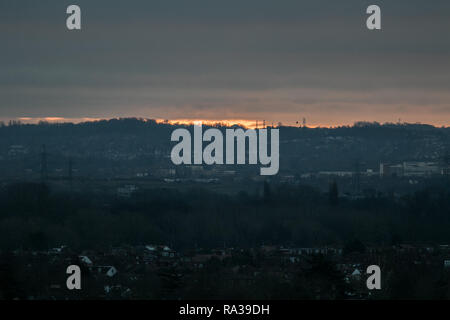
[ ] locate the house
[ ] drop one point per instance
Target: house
(151, 248)
(166, 252)
(85, 260)
(356, 274)
(153, 252)
(108, 271)
(391, 170)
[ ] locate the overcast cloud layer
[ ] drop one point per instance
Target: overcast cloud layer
(247, 59)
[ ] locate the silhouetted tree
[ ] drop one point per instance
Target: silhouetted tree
(8, 283)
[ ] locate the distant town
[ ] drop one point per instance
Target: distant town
(139, 149)
(158, 271)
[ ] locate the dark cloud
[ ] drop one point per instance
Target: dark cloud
(240, 59)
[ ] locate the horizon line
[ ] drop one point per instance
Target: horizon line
(245, 123)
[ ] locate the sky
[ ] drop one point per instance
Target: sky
(273, 60)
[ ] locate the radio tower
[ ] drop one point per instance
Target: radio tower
(44, 174)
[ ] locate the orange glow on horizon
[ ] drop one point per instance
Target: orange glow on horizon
(249, 124)
(227, 122)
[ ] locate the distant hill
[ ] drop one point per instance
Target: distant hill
(143, 142)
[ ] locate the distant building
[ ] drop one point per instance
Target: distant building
(369, 172)
(85, 260)
(356, 274)
(160, 251)
(108, 271)
(17, 150)
(409, 169)
(336, 173)
(391, 170)
(417, 168)
(445, 171)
